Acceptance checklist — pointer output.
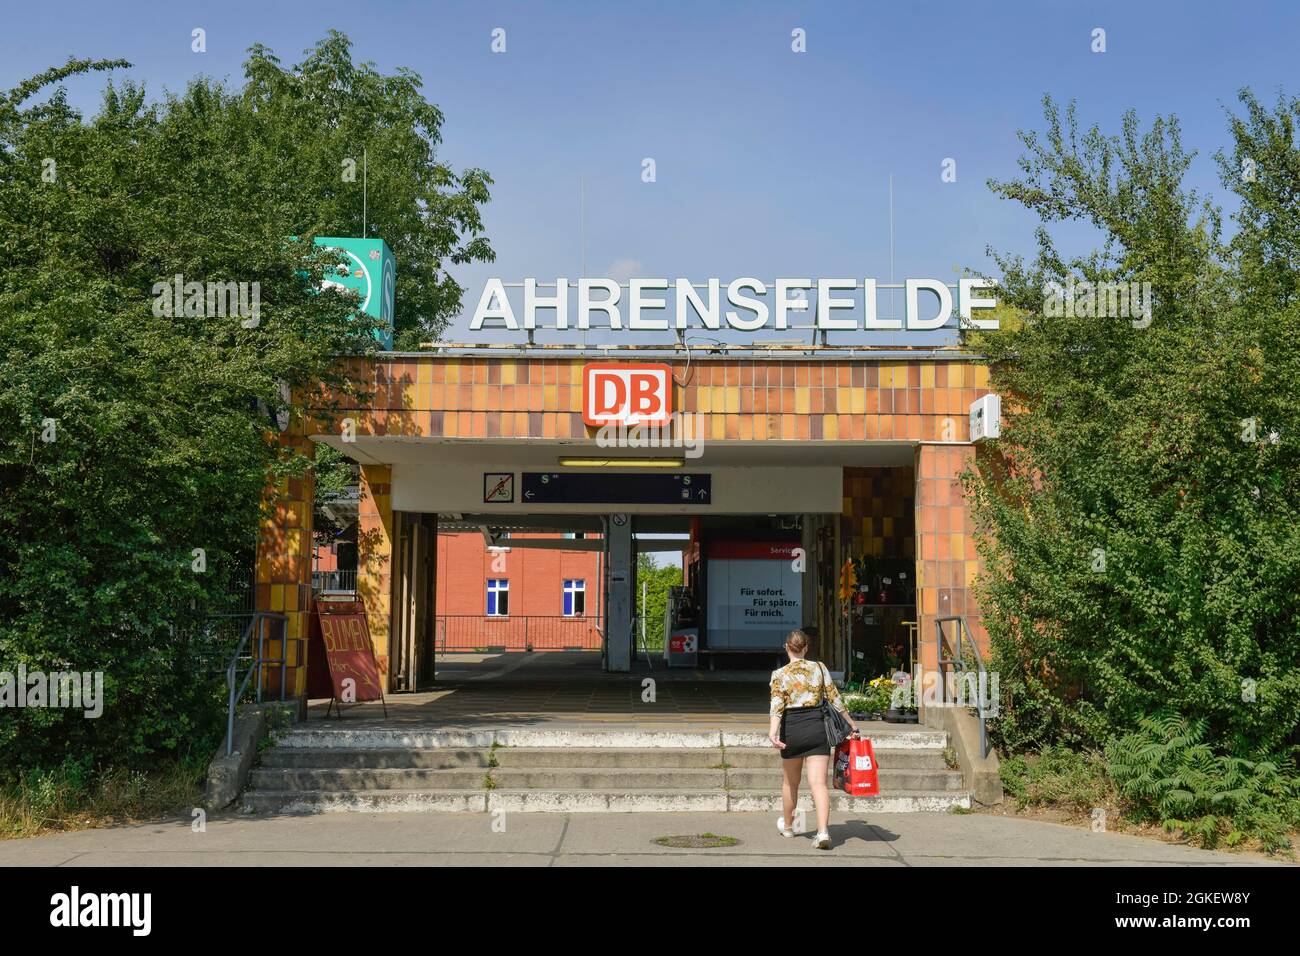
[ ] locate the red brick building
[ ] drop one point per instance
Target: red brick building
(516, 598)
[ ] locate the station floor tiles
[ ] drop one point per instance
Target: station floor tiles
(568, 690)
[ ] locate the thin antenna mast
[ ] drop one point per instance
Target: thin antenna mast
(582, 237)
(365, 184)
(893, 305)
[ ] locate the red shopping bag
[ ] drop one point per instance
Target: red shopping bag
(855, 768)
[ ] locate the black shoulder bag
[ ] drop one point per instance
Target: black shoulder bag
(838, 728)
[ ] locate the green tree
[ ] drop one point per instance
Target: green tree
(1140, 516)
(316, 122)
(657, 579)
(134, 443)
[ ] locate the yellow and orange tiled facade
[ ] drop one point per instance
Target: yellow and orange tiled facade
(283, 572)
(917, 511)
(756, 400)
(375, 557)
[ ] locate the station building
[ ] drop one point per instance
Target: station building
(814, 459)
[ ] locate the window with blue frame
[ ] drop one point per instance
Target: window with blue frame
(498, 597)
(575, 598)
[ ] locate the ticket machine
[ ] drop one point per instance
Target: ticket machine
(681, 629)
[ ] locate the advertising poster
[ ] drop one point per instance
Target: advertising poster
(755, 596)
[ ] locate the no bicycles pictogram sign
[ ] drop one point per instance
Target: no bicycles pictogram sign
(498, 488)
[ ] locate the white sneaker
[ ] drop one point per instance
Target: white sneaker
(822, 841)
(785, 830)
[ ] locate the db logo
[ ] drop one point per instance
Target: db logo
(627, 394)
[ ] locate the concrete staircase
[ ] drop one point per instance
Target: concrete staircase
(312, 771)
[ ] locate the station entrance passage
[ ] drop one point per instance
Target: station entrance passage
(865, 448)
(505, 645)
(461, 638)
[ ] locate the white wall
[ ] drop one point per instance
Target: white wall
(459, 488)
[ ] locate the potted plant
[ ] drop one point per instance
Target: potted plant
(902, 703)
(857, 704)
(878, 694)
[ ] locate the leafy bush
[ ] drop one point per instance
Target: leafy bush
(1168, 774)
(130, 439)
(1139, 517)
(1058, 776)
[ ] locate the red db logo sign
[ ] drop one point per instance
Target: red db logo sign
(627, 394)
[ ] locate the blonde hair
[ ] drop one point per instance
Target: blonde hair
(797, 642)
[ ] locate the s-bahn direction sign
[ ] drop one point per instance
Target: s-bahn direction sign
(550, 487)
(837, 305)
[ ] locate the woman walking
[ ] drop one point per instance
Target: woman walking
(798, 731)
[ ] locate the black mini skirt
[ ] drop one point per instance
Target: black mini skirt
(803, 731)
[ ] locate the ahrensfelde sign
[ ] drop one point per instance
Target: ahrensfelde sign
(743, 304)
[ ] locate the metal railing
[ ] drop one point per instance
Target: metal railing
(961, 668)
(635, 638)
(257, 634)
(337, 582)
(532, 632)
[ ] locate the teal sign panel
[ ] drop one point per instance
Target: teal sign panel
(367, 267)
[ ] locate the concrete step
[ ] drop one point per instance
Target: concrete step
(383, 769)
(336, 738)
(365, 801)
(754, 758)
(576, 778)
(592, 801)
(924, 801)
(891, 780)
(553, 778)
(334, 779)
(375, 759)
(539, 757)
(608, 801)
(643, 758)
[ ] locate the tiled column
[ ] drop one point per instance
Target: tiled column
(946, 560)
(284, 549)
(375, 542)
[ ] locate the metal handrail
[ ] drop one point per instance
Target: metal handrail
(517, 632)
(958, 662)
(257, 622)
(342, 581)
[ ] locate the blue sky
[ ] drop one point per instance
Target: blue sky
(768, 162)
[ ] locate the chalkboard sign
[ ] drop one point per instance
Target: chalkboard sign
(345, 634)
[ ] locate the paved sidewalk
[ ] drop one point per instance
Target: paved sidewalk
(598, 839)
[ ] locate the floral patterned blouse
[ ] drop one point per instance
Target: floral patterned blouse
(801, 684)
